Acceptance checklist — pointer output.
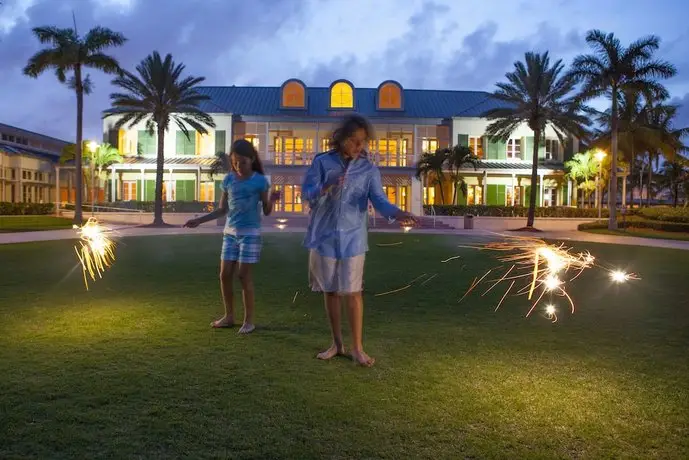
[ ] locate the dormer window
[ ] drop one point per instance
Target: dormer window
(293, 95)
(389, 96)
(342, 95)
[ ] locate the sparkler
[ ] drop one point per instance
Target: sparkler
(545, 269)
(95, 250)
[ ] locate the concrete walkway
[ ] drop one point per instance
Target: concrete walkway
(130, 231)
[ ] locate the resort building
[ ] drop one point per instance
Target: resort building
(27, 165)
(292, 123)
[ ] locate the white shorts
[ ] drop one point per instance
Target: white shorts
(342, 276)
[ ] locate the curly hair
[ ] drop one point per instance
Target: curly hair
(348, 126)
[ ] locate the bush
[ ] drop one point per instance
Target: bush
(147, 206)
(26, 209)
(516, 211)
(659, 225)
(666, 214)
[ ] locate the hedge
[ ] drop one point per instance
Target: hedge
(147, 206)
(667, 214)
(664, 226)
(516, 211)
(26, 209)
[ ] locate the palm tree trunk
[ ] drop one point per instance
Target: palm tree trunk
(650, 178)
(629, 177)
(612, 191)
(78, 218)
(534, 180)
(160, 163)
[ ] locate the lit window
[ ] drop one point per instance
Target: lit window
(514, 149)
(509, 199)
(429, 195)
(129, 189)
(474, 195)
(207, 192)
(389, 96)
(429, 145)
(342, 96)
(293, 95)
(476, 146)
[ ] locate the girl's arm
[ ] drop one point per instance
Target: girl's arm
(268, 199)
(219, 212)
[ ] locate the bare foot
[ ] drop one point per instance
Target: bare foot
(224, 322)
(331, 352)
(362, 359)
(246, 328)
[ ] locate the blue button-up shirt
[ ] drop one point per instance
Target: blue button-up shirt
(338, 223)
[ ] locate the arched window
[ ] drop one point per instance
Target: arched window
(293, 95)
(341, 95)
(390, 96)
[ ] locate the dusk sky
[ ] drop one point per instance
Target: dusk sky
(443, 44)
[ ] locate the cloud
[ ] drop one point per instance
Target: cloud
(194, 32)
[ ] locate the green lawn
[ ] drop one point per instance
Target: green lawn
(32, 223)
(130, 369)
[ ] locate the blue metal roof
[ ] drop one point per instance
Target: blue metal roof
(418, 103)
(14, 149)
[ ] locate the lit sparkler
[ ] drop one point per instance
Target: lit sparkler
(95, 250)
(545, 268)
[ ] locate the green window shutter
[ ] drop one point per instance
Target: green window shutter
(541, 149)
(180, 190)
(463, 140)
(186, 190)
(492, 195)
(218, 190)
(497, 150)
(190, 144)
(502, 194)
(461, 198)
(139, 190)
(147, 143)
(220, 141)
(527, 196)
(492, 151)
(528, 148)
(179, 143)
(150, 190)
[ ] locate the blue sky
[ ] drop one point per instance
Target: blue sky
(448, 44)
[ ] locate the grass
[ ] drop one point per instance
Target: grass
(32, 223)
(131, 369)
(643, 233)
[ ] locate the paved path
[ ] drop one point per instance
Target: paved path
(129, 231)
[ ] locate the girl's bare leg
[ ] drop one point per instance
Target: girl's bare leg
(246, 280)
(334, 312)
(355, 314)
(227, 269)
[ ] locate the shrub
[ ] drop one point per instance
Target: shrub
(660, 225)
(515, 211)
(26, 209)
(147, 206)
(666, 214)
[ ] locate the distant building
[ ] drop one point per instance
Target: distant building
(27, 165)
(290, 124)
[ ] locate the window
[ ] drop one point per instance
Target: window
(220, 139)
(291, 150)
(290, 201)
(429, 195)
(207, 192)
(474, 195)
(325, 144)
(514, 149)
(254, 141)
(429, 145)
(476, 146)
(517, 196)
(342, 96)
(129, 190)
(147, 143)
(392, 152)
(185, 146)
(549, 197)
(552, 149)
(389, 96)
(293, 95)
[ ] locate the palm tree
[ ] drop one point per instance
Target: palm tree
(157, 96)
(613, 70)
(102, 157)
(458, 157)
(537, 94)
(70, 54)
(673, 176)
(581, 168)
(433, 164)
(221, 165)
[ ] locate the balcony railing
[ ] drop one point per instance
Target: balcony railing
(393, 160)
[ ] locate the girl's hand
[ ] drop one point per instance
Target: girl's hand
(275, 196)
(192, 223)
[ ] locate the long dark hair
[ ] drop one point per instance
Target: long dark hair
(244, 148)
(348, 126)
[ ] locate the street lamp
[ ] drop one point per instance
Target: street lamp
(92, 147)
(600, 156)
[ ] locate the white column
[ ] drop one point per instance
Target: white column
(416, 197)
(485, 188)
(624, 191)
(514, 177)
(113, 184)
(569, 192)
(170, 186)
(542, 187)
(57, 190)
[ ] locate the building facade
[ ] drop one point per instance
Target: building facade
(27, 165)
(290, 124)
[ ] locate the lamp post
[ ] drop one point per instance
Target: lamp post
(92, 146)
(599, 155)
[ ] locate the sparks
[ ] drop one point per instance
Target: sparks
(406, 228)
(95, 250)
(619, 276)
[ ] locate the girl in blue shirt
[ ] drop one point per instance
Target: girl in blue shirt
(244, 188)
